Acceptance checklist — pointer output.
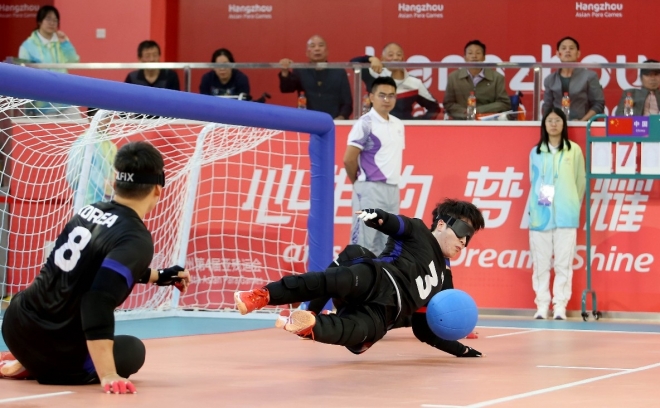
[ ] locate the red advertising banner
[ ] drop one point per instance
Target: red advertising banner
(484, 163)
(489, 166)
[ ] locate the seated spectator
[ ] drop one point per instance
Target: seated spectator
(327, 90)
(47, 44)
(582, 85)
(645, 100)
(149, 51)
(224, 81)
(487, 84)
(409, 90)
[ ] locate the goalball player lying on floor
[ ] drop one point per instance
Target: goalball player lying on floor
(60, 330)
(376, 294)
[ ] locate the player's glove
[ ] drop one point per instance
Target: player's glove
(372, 217)
(470, 352)
(169, 276)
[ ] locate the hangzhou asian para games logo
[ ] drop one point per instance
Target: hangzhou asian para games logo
(426, 10)
(250, 12)
(598, 10)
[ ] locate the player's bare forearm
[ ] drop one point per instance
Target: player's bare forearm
(175, 275)
(102, 357)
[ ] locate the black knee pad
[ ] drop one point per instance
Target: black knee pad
(340, 281)
(311, 281)
(129, 353)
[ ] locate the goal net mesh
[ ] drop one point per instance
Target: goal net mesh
(234, 208)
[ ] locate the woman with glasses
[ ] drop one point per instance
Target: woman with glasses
(557, 175)
(47, 44)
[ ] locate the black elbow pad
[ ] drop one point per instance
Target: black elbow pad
(97, 312)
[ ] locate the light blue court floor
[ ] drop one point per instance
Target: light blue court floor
(190, 326)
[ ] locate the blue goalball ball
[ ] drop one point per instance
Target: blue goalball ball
(452, 314)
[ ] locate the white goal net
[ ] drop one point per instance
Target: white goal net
(234, 207)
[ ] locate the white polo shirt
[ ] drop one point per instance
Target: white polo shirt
(382, 143)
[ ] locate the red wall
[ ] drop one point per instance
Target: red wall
(190, 30)
(512, 30)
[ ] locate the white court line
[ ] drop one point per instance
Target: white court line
(514, 333)
(587, 368)
(551, 389)
(31, 397)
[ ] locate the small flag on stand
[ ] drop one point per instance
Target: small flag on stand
(628, 126)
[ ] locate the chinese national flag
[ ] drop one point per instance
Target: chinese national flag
(620, 126)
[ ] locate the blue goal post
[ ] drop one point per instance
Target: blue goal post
(40, 85)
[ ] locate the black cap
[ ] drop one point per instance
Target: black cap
(649, 71)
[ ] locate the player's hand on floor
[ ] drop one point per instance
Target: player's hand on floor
(114, 384)
(470, 352)
(372, 217)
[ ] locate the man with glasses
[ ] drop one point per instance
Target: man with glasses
(373, 162)
(376, 294)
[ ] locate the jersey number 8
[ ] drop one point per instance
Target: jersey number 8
(78, 240)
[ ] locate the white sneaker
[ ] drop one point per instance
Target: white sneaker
(541, 314)
(559, 313)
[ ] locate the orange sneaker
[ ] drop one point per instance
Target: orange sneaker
(251, 300)
(299, 322)
(11, 368)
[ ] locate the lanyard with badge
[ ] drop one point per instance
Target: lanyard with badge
(547, 191)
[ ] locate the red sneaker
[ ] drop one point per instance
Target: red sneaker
(299, 322)
(251, 300)
(473, 335)
(11, 368)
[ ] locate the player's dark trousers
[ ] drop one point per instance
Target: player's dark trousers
(358, 319)
(60, 356)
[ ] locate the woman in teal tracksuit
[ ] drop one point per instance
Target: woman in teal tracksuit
(557, 174)
(47, 44)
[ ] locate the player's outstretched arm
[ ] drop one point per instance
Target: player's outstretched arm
(397, 226)
(423, 332)
(173, 276)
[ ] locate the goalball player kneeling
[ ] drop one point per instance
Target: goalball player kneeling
(60, 330)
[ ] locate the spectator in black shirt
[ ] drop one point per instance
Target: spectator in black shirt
(327, 90)
(224, 81)
(149, 51)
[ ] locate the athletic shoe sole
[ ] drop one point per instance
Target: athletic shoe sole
(239, 303)
(296, 321)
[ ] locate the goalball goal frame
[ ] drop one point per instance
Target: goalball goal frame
(29, 83)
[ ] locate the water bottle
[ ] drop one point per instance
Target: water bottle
(471, 107)
(302, 101)
(628, 105)
(366, 104)
(566, 104)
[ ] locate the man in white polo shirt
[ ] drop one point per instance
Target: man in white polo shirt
(373, 162)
